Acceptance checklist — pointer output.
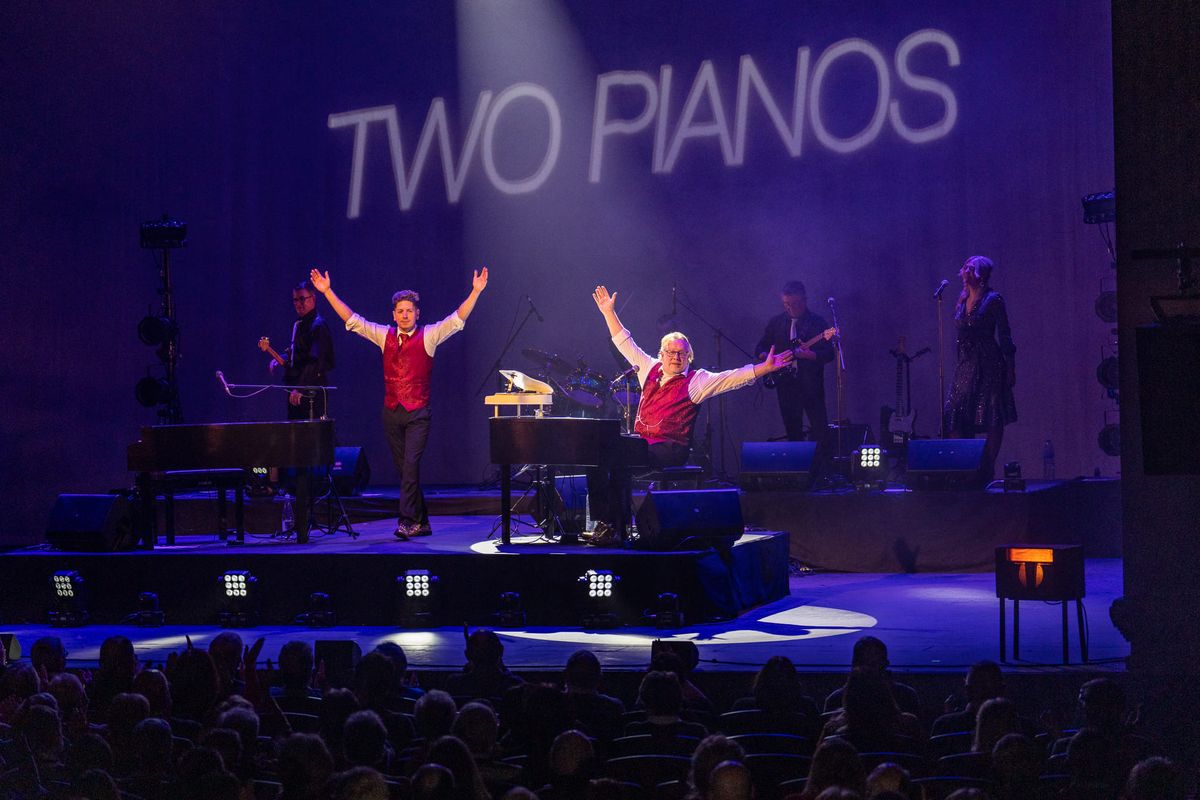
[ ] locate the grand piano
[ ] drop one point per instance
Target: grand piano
(558, 441)
(169, 456)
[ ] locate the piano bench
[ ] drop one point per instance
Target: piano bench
(670, 479)
(172, 482)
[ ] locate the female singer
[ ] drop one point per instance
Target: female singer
(981, 395)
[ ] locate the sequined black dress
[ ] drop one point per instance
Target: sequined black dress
(981, 396)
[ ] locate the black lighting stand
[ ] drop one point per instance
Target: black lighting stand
(164, 235)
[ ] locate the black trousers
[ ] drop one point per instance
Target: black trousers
(608, 488)
(407, 432)
(797, 400)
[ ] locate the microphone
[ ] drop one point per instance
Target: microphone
(626, 374)
(533, 308)
(830, 301)
(937, 293)
(221, 378)
(674, 298)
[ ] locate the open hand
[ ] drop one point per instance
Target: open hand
(604, 301)
(321, 282)
(294, 397)
(774, 361)
(479, 280)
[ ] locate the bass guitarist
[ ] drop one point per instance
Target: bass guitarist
(801, 388)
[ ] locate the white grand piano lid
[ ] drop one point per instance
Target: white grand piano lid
(523, 383)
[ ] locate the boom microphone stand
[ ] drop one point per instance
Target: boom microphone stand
(718, 336)
(937, 295)
(495, 367)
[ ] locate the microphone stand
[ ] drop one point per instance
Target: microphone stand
(840, 374)
(941, 366)
(718, 336)
(492, 370)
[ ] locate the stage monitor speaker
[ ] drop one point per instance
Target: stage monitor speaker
(91, 523)
(340, 657)
(1168, 359)
(771, 466)
(689, 520)
(350, 472)
(943, 463)
(1039, 572)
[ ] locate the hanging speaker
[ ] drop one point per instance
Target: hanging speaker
(90, 523)
(689, 520)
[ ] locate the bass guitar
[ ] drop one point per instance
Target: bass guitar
(264, 344)
(796, 346)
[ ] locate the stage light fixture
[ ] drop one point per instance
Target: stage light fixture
(320, 613)
(511, 613)
(165, 233)
(239, 589)
(1110, 439)
(666, 611)
(151, 391)
(599, 598)
(868, 466)
(1013, 482)
(1106, 306)
(70, 599)
(155, 330)
(148, 614)
(416, 598)
(1108, 373)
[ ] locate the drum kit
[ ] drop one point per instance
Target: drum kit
(584, 389)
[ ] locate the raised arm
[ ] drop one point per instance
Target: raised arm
(321, 284)
(607, 304)
(479, 281)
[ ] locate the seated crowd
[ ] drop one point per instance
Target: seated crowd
(211, 725)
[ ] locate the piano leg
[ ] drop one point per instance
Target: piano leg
(147, 533)
(506, 504)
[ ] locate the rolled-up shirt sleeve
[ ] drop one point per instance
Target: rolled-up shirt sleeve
(371, 331)
(439, 332)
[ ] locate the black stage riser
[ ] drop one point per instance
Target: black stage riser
(363, 587)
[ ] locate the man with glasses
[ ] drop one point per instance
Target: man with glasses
(310, 356)
(671, 396)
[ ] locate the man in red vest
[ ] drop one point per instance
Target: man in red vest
(407, 367)
(671, 392)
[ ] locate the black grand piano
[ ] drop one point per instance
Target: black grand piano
(558, 441)
(167, 457)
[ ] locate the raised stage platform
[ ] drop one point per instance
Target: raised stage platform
(360, 575)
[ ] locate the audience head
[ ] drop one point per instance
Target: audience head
(361, 783)
(1102, 702)
(19, 681)
(96, 784)
(48, 653)
(1091, 759)
(125, 712)
(304, 765)
(484, 649)
(296, 665)
(1017, 760)
(395, 653)
(37, 724)
(983, 682)
(374, 679)
(336, 707)
(571, 755)
(226, 650)
(870, 655)
(867, 701)
(730, 780)
(996, 718)
(152, 684)
(433, 714)
(582, 672)
(605, 789)
(226, 743)
(432, 782)
(836, 763)
(839, 793)
(777, 685)
(888, 777)
(364, 740)
(451, 753)
(117, 659)
(152, 745)
(661, 694)
(478, 727)
(70, 695)
(245, 722)
(1155, 779)
(90, 751)
(194, 685)
(711, 751)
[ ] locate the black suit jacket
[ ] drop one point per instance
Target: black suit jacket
(808, 375)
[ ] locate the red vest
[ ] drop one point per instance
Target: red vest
(406, 371)
(666, 413)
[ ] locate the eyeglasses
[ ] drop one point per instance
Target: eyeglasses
(681, 354)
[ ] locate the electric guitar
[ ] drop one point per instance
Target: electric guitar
(264, 344)
(900, 426)
(795, 347)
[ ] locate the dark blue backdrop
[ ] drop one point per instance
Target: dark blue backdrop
(220, 114)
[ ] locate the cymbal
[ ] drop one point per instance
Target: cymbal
(550, 362)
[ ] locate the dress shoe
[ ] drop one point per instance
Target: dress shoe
(420, 530)
(403, 532)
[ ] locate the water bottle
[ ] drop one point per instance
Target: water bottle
(1048, 461)
(288, 521)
